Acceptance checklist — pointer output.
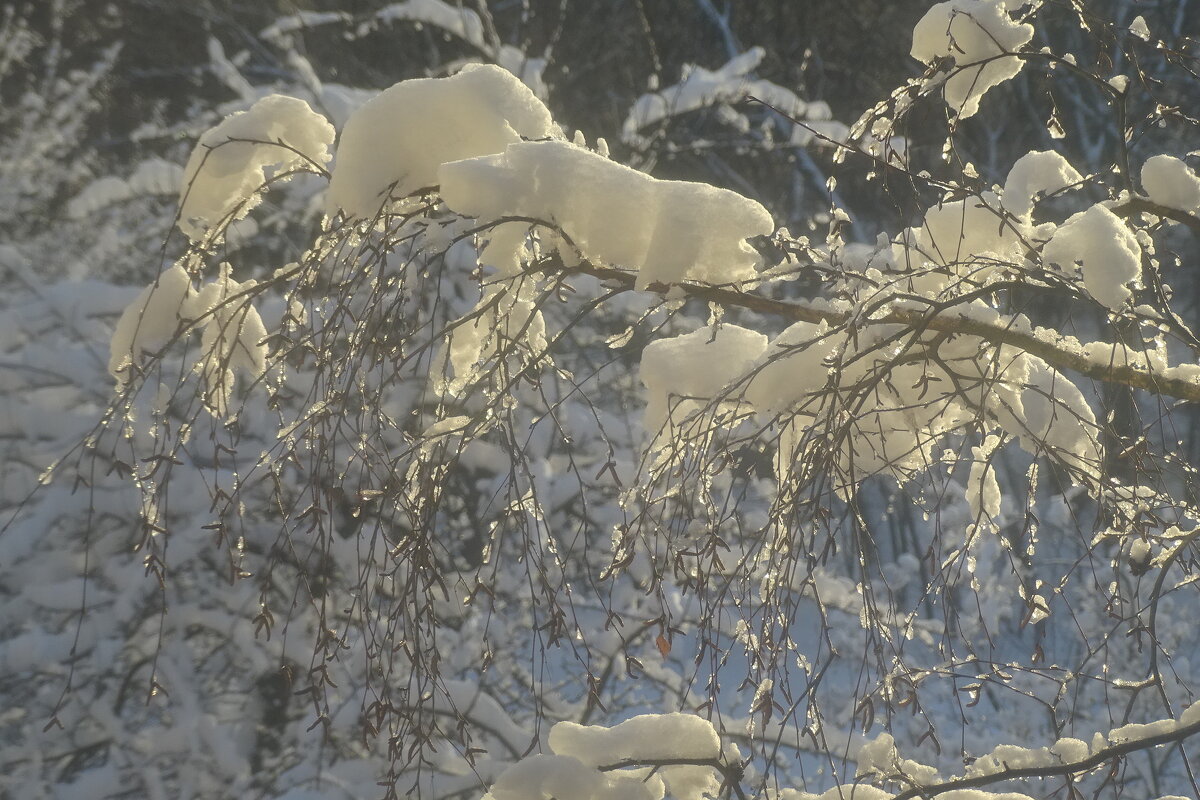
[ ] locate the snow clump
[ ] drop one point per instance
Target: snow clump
(149, 322)
(1107, 252)
(1036, 172)
(573, 772)
(1171, 183)
(683, 373)
(395, 143)
(972, 33)
(227, 167)
(670, 231)
(232, 338)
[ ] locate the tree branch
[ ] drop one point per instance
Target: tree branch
(940, 316)
(1054, 770)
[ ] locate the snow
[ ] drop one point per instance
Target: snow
(559, 777)
(507, 314)
(1036, 172)
(98, 194)
(846, 791)
(232, 339)
(648, 737)
(983, 491)
(525, 67)
(461, 22)
(879, 757)
(1134, 731)
(1069, 750)
(1139, 552)
(1170, 182)
(1107, 252)
(150, 321)
(394, 143)
(1011, 756)
(972, 33)
(695, 365)
(698, 88)
(1052, 413)
(725, 87)
(278, 30)
(791, 368)
(227, 168)
(506, 250)
(670, 231)
(970, 235)
(154, 176)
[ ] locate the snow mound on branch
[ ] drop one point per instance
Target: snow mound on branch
(964, 229)
(154, 176)
(643, 739)
(1170, 182)
(1053, 416)
(861, 791)
(700, 88)
(983, 490)
(972, 237)
(669, 230)
(649, 737)
(462, 22)
(728, 86)
(505, 318)
(150, 321)
(232, 340)
(793, 368)
(556, 777)
(227, 167)
(973, 33)
(683, 373)
(1037, 172)
(1107, 252)
(395, 143)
